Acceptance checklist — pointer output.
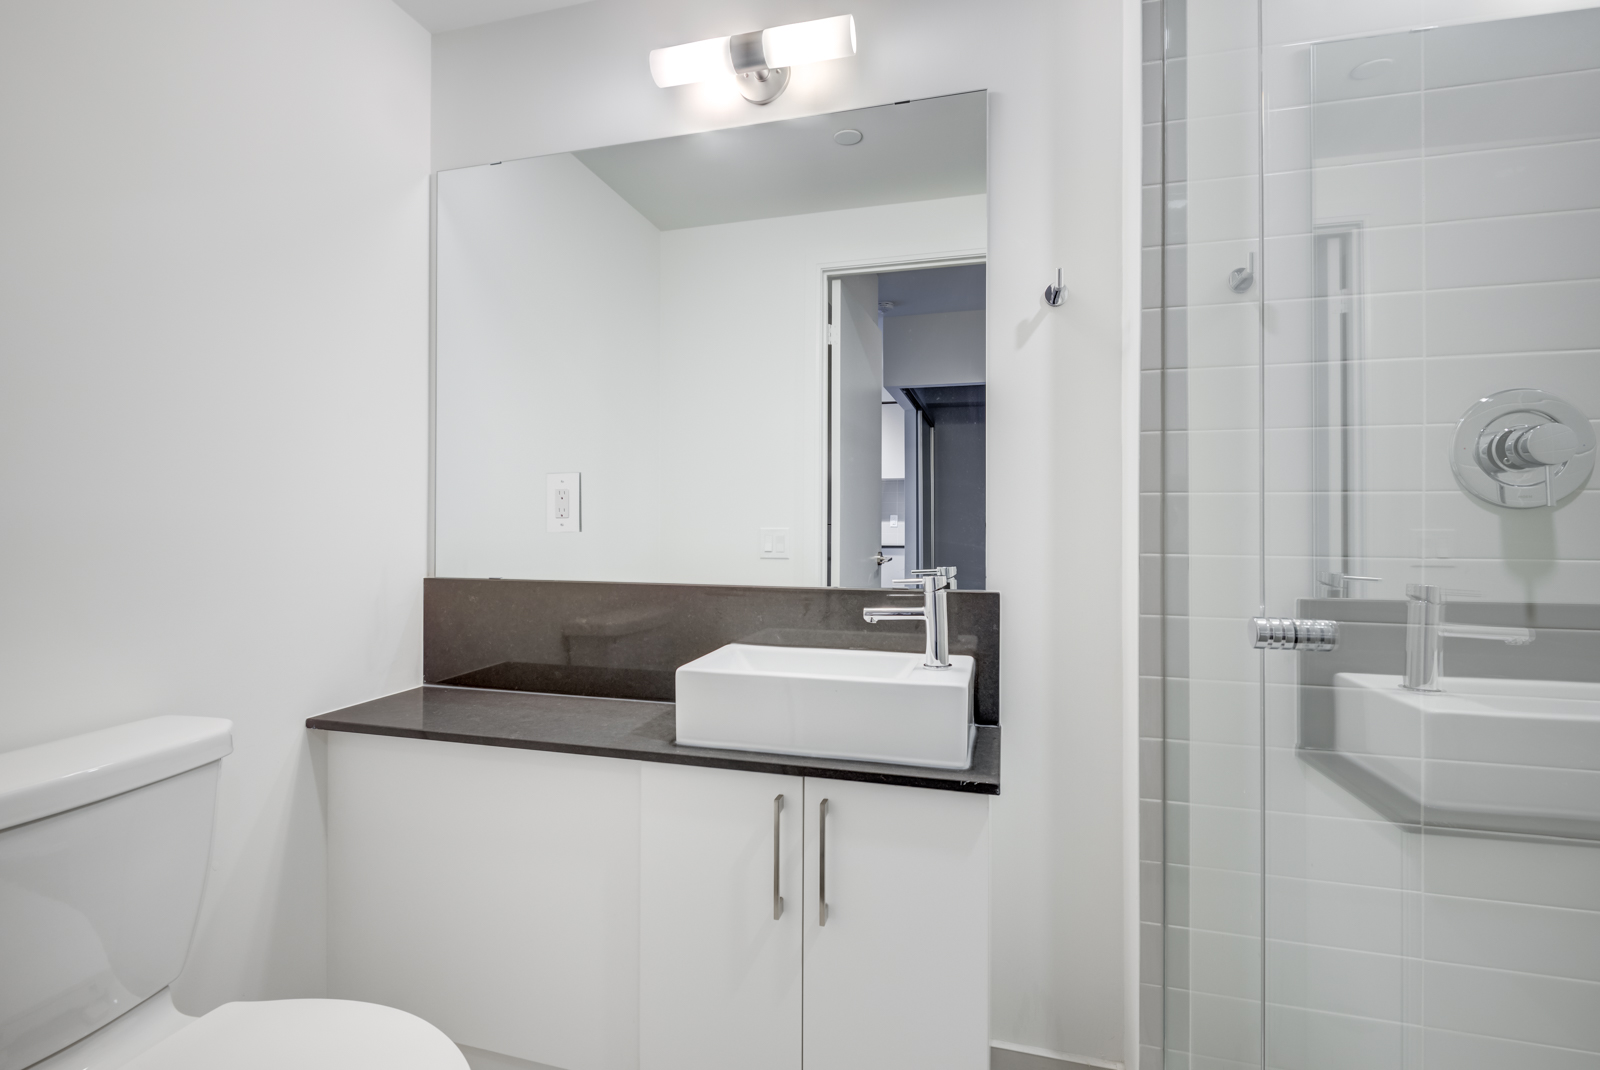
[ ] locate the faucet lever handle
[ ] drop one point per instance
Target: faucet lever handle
(944, 576)
(1428, 592)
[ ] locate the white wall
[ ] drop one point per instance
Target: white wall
(213, 391)
(547, 313)
(577, 78)
(1479, 224)
(894, 443)
(743, 376)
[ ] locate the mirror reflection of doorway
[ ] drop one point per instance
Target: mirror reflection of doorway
(907, 480)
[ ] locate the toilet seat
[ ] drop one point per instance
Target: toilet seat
(304, 1034)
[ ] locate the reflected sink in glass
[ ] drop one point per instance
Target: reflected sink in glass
(860, 705)
(1485, 754)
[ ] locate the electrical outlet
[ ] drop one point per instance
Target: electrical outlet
(563, 502)
(774, 542)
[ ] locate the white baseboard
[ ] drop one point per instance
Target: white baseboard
(1043, 1059)
(1004, 1057)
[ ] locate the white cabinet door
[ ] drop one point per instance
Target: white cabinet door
(719, 974)
(492, 891)
(898, 976)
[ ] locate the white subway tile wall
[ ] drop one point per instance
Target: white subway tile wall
(1153, 603)
(1460, 164)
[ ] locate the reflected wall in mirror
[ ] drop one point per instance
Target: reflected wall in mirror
(756, 353)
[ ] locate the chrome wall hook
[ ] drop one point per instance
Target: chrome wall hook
(1054, 295)
(1241, 279)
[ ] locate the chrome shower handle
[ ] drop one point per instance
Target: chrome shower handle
(1290, 633)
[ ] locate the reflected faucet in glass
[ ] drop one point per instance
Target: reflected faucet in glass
(1426, 632)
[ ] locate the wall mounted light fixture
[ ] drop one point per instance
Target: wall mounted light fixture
(758, 61)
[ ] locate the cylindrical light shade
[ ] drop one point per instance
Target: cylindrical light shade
(808, 42)
(694, 62)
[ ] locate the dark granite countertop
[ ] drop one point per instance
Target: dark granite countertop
(620, 728)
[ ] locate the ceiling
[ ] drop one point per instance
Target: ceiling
(912, 151)
(917, 293)
(439, 15)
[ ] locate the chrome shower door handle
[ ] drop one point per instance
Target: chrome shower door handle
(777, 842)
(1289, 633)
(822, 863)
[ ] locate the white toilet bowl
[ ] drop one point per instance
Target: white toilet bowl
(104, 844)
(303, 1034)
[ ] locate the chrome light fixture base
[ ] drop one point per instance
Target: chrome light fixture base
(764, 85)
(758, 82)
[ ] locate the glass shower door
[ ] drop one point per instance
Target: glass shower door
(1381, 365)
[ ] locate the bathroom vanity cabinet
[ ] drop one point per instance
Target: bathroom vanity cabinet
(899, 975)
(731, 978)
(720, 929)
(595, 913)
(490, 891)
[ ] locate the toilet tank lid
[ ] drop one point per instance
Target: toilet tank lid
(47, 779)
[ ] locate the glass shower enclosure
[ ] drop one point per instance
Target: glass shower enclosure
(1374, 556)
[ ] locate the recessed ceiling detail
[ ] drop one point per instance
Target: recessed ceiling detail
(438, 16)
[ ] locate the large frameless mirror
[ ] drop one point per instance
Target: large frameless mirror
(748, 356)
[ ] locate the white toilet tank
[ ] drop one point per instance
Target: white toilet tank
(104, 840)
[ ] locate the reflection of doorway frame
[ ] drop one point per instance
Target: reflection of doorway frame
(1338, 461)
(830, 459)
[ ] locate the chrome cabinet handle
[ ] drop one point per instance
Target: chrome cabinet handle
(777, 900)
(822, 863)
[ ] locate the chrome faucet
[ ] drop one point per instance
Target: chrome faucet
(1426, 632)
(934, 583)
(1338, 583)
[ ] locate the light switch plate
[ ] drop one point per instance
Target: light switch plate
(563, 502)
(774, 542)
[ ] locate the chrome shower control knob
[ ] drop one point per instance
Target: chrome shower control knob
(1522, 449)
(1290, 633)
(1517, 449)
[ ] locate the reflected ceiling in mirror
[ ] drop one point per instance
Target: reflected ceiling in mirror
(633, 373)
(921, 150)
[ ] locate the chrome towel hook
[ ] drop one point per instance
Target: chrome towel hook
(1241, 279)
(1054, 295)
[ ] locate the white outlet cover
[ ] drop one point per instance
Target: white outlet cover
(774, 542)
(563, 505)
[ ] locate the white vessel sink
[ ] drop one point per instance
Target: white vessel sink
(1499, 755)
(862, 705)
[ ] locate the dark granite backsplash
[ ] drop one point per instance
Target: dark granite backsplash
(626, 640)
